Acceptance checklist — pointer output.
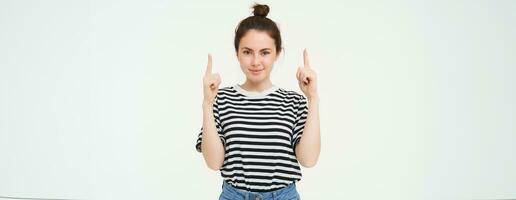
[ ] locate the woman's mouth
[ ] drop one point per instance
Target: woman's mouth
(255, 71)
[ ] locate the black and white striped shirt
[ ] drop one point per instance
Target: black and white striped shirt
(259, 132)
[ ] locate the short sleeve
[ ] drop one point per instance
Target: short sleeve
(299, 123)
(217, 126)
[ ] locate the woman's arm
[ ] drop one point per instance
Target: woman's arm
(309, 146)
(212, 147)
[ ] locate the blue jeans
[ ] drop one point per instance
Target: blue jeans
(231, 193)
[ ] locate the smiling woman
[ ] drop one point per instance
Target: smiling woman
(98, 99)
(256, 58)
(256, 133)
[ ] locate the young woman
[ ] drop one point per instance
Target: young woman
(256, 133)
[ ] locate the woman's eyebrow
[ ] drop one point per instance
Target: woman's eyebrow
(247, 48)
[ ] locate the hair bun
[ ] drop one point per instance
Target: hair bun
(260, 10)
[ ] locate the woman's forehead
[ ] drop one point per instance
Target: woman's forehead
(257, 40)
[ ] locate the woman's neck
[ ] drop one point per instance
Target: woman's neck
(256, 87)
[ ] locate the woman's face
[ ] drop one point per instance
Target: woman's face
(256, 54)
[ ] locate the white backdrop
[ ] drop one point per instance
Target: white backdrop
(102, 99)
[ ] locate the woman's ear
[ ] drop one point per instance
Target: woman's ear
(277, 55)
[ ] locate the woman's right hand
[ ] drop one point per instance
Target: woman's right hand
(210, 84)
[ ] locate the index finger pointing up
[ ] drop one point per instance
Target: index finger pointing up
(208, 67)
(305, 58)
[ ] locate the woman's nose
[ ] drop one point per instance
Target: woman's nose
(255, 61)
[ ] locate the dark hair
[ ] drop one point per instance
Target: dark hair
(258, 22)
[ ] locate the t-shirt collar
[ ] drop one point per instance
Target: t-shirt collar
(241, 90)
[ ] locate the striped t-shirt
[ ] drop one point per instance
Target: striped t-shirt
(259, 132)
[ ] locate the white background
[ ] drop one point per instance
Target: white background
(102, 99)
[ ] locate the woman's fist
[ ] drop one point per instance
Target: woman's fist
(210, 83)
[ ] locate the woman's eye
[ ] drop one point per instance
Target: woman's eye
(246, 52)
(265, 52)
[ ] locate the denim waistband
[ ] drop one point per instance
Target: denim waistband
(261, 195)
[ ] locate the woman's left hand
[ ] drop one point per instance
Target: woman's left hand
(307, 78)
